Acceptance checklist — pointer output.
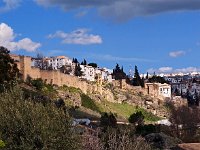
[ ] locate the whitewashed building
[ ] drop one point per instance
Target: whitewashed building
(58, 62)
(158, 89)
(106, 74)
(88, 72)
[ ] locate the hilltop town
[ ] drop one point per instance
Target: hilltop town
(88, 92)
(62, 70)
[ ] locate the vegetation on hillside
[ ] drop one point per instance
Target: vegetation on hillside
(8, 69)
(118, 73)
(33, 116)
(29, 125)
(123, 110)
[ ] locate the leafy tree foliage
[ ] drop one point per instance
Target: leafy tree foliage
(136, 118)
(192, 99)
(157, 79)
(38, 83)
(78, 71)
(189, 119)
(177, 93)
(8, 69)
(137, 81)
(74, 60)
(147, 76)
(41, 63)
(30, 125)
(108, 120)
(66, 69)
(84, 62)
(118, 73)
(93, 65)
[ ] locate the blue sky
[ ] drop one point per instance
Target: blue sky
(155, 35)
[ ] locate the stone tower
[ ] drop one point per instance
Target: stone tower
(25, 66)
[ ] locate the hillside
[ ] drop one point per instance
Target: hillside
(122, 104)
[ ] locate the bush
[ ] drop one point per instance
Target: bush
(38, 83)
(120, 139)
(148, 116)
(145, 129)
(108, 120)
(2, 144)
(28, 125)
(137, 117)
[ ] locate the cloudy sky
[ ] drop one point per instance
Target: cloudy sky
(155, 35)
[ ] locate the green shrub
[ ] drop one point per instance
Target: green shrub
(137, 117)
(108, 120)
(26, 125)
(71, 89)
(148, 116)
(2, 144)
(145, 129)
(38, 83)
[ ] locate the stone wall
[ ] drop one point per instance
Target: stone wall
(54, 76)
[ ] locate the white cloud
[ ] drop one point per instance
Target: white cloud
(79, 36)
(116, 58)
(171, 70)
(188, 69)
(177, 53)
(125, 9)
(9, 5)
(165, 69)
(7, 37)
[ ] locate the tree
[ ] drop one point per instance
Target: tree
(158, 79)
(8, 69)
(84, 62)
(136, 118)
(93, 65)
(196, 98)
(66, 69)
(40, 62)
(78, 71)
(38, 83)
(118, 73)
(74, 60)
(137, 81)
(177, 93)
(108, 120)
(28, 124)
(147, 76)
(189, 119)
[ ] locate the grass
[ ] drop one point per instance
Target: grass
(71, 89)
(87, 102)
(122, 111)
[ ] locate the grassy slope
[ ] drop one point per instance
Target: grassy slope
(122, 111)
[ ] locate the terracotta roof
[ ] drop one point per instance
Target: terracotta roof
(61, 57)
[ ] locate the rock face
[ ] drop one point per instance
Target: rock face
(73, 98)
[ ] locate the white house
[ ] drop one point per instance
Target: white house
(158, 89)
(58, 62)
(164, 90)
(106, 74)
(88, 72)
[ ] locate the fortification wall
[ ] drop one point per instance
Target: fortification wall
(52, 76)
